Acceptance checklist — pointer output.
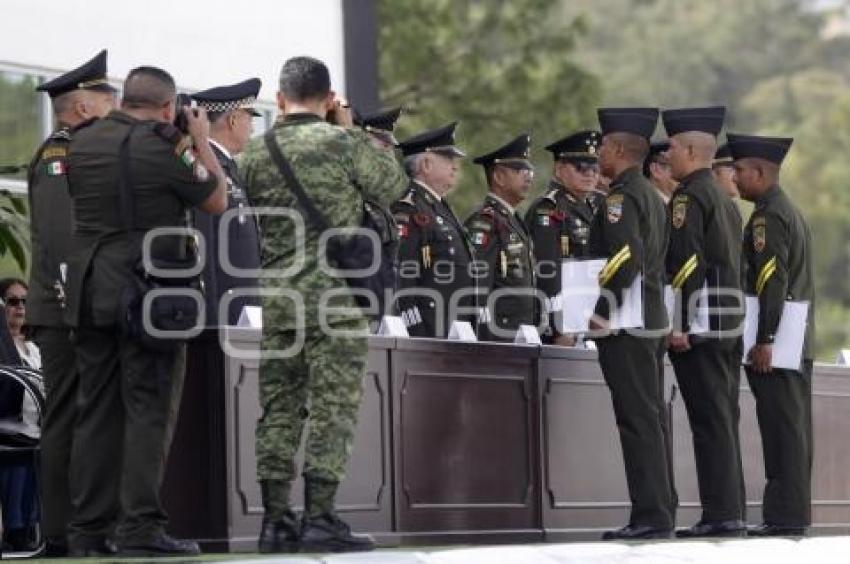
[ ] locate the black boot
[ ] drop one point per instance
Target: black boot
(329, 533)
(280, 535)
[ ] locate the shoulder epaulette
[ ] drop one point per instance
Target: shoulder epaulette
(61, 134)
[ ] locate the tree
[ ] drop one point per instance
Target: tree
(499, 67)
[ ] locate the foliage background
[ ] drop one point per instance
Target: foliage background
(503, 67)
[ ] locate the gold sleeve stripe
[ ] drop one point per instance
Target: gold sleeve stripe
(684, 272)
(766, 272)
(614, 264)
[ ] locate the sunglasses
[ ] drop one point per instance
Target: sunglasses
(584, 168)
(15, 301)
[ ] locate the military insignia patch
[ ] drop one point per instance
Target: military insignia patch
(480, 238)
(558, 216)
(421, 219)
(614, 205)
(543, 220)
(403, 230)
(678, 214)
(759, 234)
(56, 168)
(439, 220)
(188, 157)
(54, 153)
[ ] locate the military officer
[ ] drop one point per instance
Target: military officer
(320, 382)
(630, 230)
(723, 169)
(76, 97)
(231, 112)
(126, 390)
(656, 168)
(559, 221)
(504, 245)
(778, 263)
(436, 283)
(705, 254)
(380, 126)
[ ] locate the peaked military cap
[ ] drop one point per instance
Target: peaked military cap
(91, 75)
(240, 96)
(583, 145)
(380, 123)
(771, 149)
(515, 152)
(637, 121)
(707, 120)
(440, 140)
(723, 155)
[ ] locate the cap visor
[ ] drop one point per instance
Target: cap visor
(253, 112)
(450, 152)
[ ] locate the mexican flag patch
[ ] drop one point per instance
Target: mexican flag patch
(543, 220)
(188, 157)
(56, 168)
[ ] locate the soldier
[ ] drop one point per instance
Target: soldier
(230, 111)
(705, 254)
(327, 362)
(778, 263)
(630, 230)
(76, 96)
(126, 389)
(559, 221)
(380, 127)
(503, 244)
(656, 168)
(435, 256)
(723, 169)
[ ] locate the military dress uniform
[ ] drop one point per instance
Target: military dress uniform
(435, 255)
(126, 393)
(631, 231)
(559, 220)
(778, 263)
(505, 249)
(243, 240)
(321, 381)
(705, 252)
(51, 231)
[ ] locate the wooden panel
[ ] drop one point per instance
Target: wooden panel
(464, 433)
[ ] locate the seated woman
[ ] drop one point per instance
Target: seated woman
(18, 485)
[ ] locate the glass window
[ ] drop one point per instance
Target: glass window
(20, 119)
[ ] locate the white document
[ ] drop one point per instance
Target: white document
(392, 326)
(580, 291)
(790, 335)
(251, 316)
(700, 324)
(461, 331)
(527, 335)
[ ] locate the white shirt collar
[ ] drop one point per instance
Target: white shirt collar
(221, 148)
(501, 201)
(431, 190)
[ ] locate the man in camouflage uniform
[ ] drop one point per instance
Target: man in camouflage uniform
(436, 283)
(630, 230)
(76, 96)
(504, 245)
(559, 221)
(320, 378)
(705, 254)
(778, 264)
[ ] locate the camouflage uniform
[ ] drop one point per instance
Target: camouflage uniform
(337, 168)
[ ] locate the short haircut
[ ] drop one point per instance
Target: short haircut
(635, 147)
(411, 164)
(148, 87)
(304, 78)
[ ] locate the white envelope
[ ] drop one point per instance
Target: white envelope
(580, 292)
(790, 335)
(700, 324)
